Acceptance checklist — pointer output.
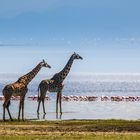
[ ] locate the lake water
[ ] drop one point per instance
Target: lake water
(83, 85)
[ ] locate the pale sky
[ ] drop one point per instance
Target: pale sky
(105, 32)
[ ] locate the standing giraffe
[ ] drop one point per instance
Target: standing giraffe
(19, 88)
(55, 84)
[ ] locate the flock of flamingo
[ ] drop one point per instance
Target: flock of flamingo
(83, 98)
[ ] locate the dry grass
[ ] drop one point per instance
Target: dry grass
(71, 129)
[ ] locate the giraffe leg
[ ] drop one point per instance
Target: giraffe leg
(38, 106)
(6, 106)
(60, 101)
(23, 109)
(41, 98)
(20, 105)
(57, 102)
(3, 113)
(9, 113)
(43, 106)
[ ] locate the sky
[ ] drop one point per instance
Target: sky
(106, 33)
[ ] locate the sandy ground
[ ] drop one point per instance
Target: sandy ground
(46, 130)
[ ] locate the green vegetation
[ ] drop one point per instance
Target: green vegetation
(82, 125)
(70, 129)
(75, 137)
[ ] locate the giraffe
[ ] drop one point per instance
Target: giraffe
(55, 84)
(19, 88)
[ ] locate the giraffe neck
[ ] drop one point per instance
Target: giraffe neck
(27, 78)
(67, 68)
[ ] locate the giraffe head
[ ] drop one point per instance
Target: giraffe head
(45, 64)
(77, 56)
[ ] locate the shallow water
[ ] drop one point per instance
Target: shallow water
(95, 85)
(79, 110)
